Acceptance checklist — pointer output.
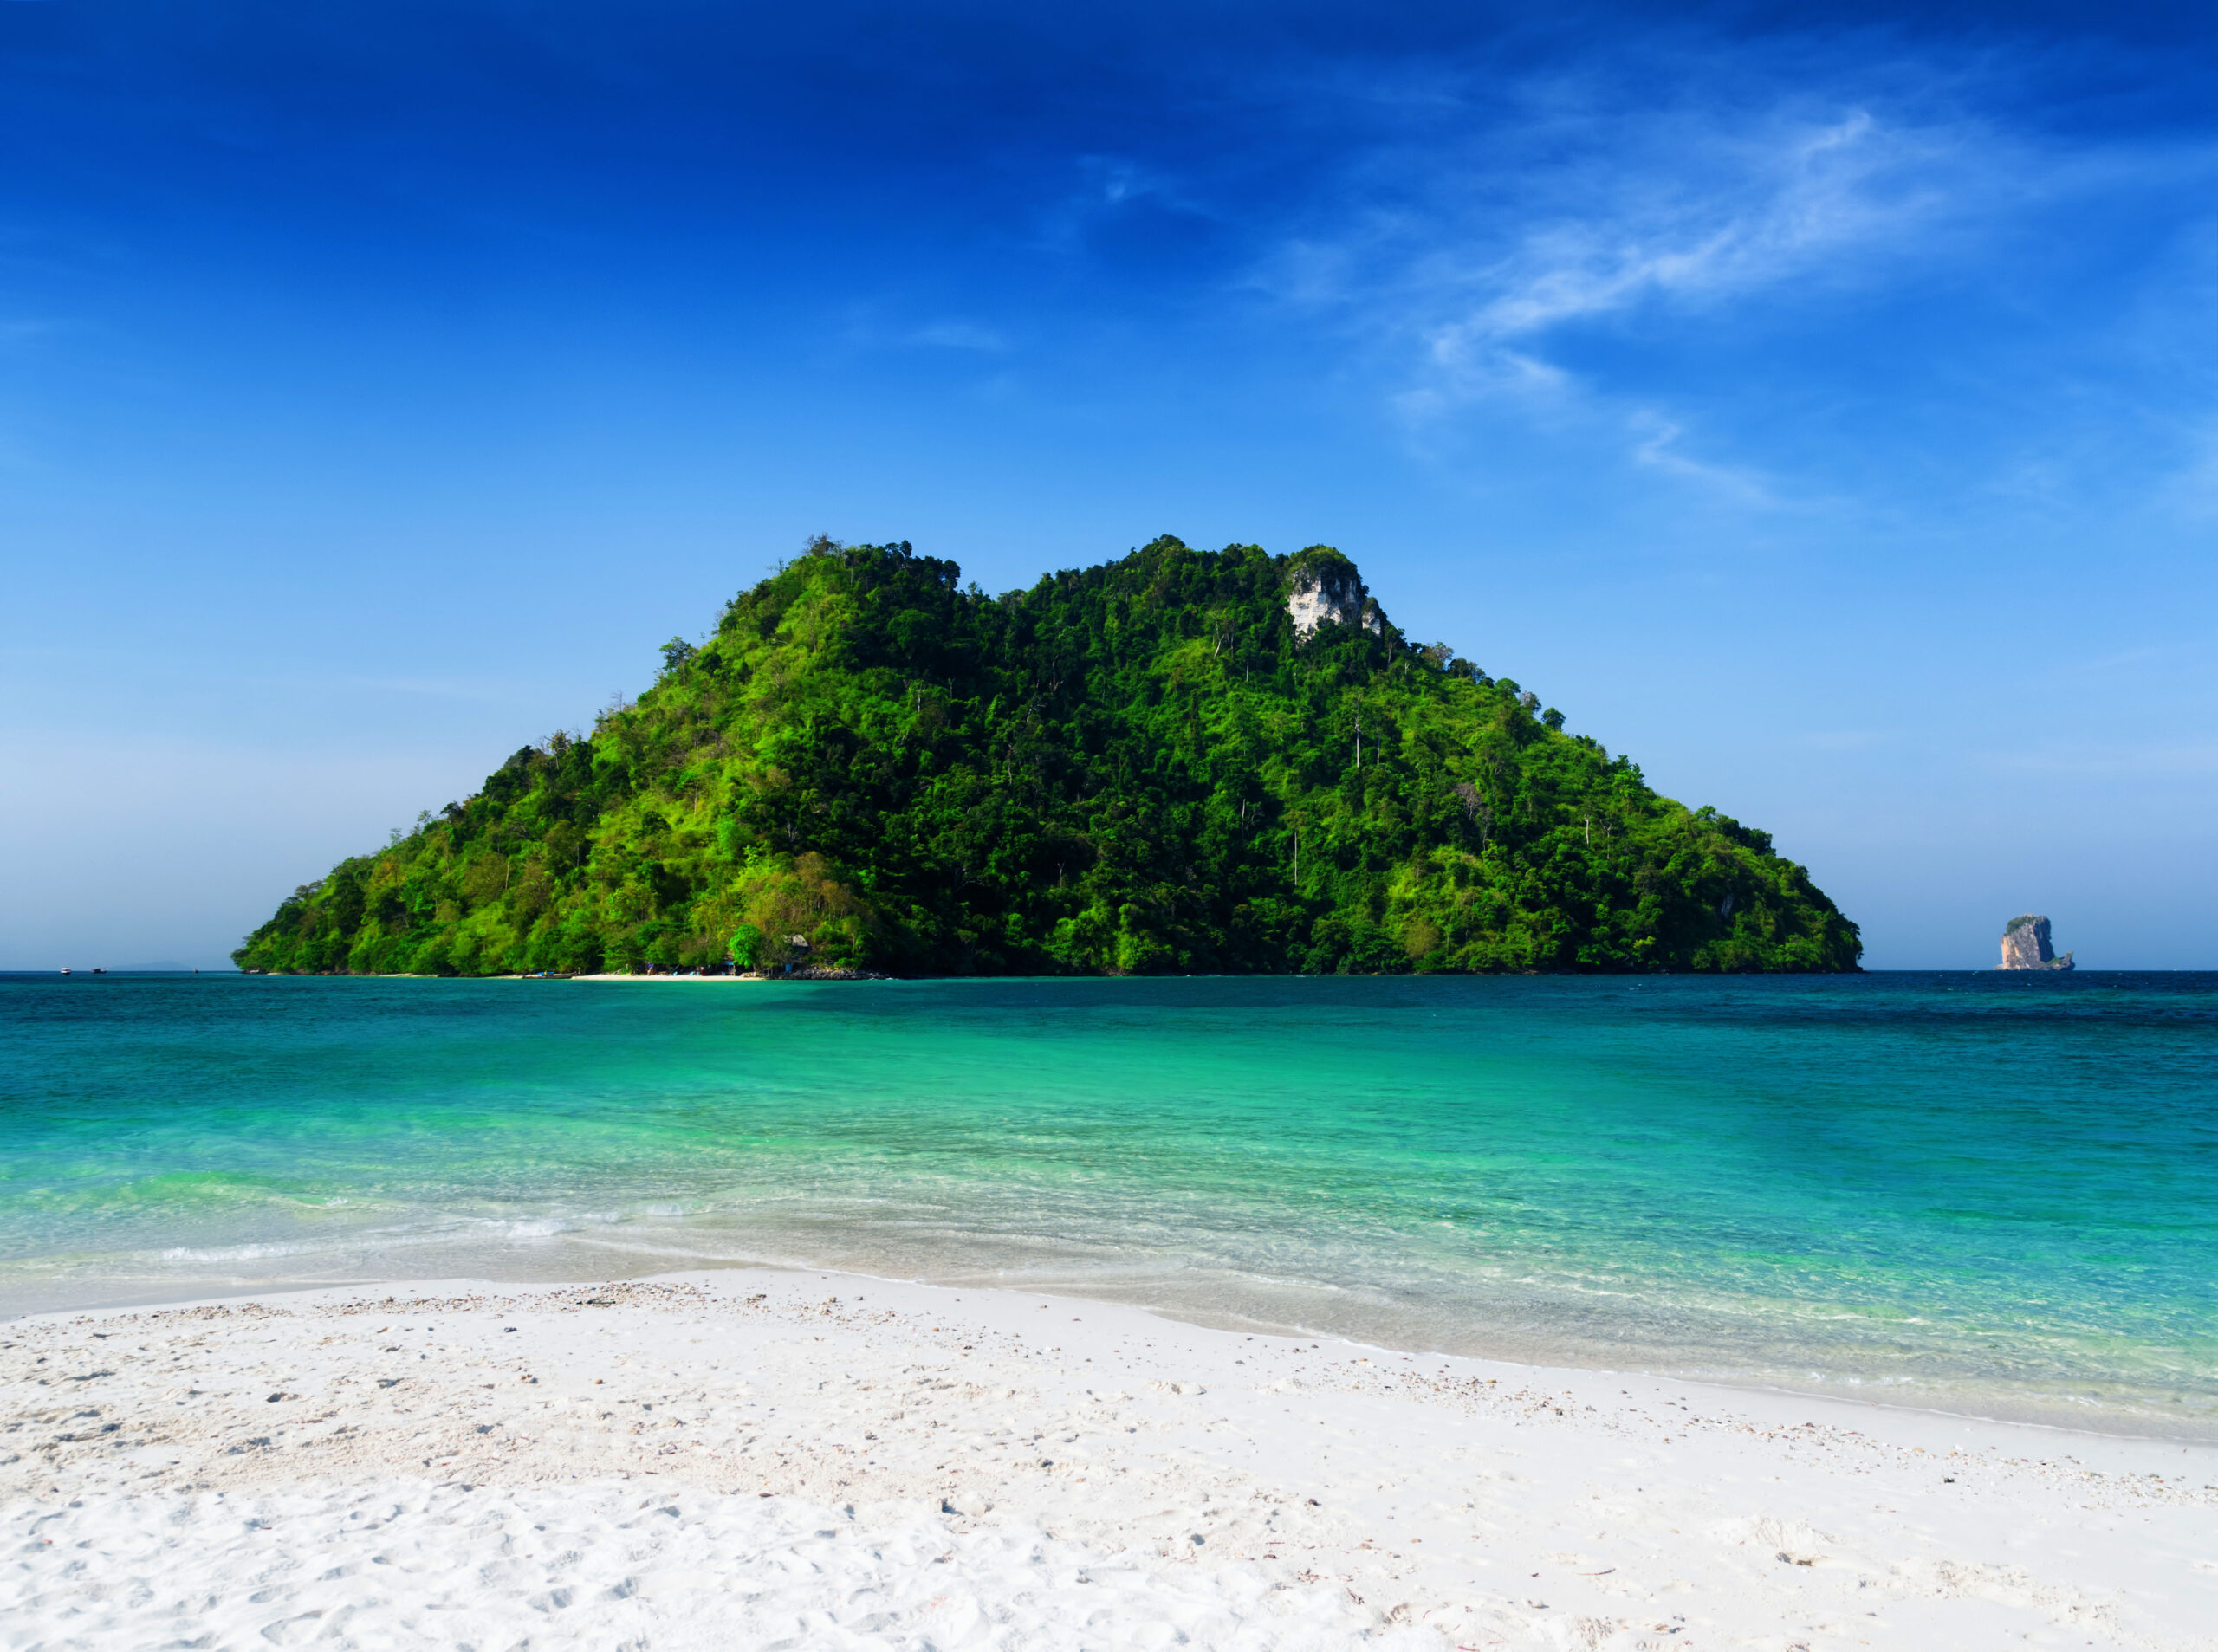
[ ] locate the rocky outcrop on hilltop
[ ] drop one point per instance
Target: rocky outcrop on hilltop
(2026, 945)
(1324, 585)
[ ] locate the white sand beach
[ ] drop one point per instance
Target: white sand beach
(770, 1459)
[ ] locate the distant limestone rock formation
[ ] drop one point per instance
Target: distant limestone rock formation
(2025, 945)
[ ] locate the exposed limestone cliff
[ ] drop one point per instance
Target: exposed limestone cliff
(1324, 585)
(2026, 945)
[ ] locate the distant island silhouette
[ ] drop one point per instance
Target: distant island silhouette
(2026, 945)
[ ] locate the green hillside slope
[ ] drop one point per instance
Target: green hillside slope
(1138, 768)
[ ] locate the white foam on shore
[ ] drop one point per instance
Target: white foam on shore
(803, 1459)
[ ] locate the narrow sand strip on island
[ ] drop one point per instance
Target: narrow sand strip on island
(613, 975)
(755, 1458)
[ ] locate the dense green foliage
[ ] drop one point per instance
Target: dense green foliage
(1138, 768)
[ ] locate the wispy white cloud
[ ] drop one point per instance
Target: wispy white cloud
(1695, 216)
(71, 659)
(960, 335)
(2192, 490)
(1659, 445)
(1652, 265)
(2086, 761)
(1111, 189)
(1497, 259)
(869, 328)
(1845, 739)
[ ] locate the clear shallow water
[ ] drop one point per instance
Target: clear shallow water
(1996, 1193)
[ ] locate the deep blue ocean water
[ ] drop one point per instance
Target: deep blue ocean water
(1984, 1192)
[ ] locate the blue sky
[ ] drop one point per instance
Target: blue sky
(1817, 405)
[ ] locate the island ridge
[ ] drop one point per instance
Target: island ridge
(1181, 762)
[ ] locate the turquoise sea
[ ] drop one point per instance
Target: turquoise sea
(1994, 1194)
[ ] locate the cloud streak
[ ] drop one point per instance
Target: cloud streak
(1728, 214)
(1526, 245)
(961, 335)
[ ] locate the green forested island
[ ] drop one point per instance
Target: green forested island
(1181, 761)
